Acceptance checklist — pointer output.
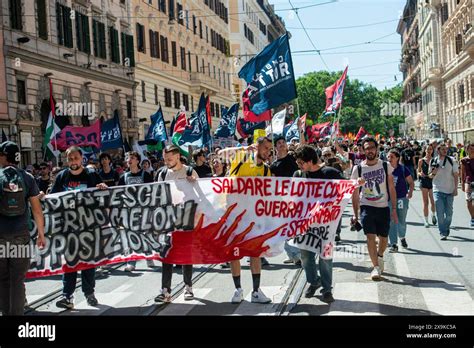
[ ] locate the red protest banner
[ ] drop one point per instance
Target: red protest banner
(78, 136)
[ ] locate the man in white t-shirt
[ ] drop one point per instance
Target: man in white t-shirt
(373, 200)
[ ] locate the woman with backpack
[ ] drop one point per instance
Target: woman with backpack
(404, 186)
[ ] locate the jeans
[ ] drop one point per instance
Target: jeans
(400, 229)
(292, 252)
(12, 277)
(444, 211)
(308, 260)
(167, 273)
(88, 282)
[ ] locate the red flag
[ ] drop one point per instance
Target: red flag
(337, 92)
(78, 136)
(208, 112)
(319, 130)
(303, 122)
(249, 116)
(180, 124)
(329, 95)
(360, 134)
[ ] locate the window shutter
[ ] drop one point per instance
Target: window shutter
(59, 24)
(103, 49)
(130, 50)
(42, 21)
(87, 35)
(68, 42)
(95, 37)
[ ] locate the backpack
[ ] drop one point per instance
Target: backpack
(162, 173)
(435, 161)
(13, 192)
(385, 169)
(236, 169)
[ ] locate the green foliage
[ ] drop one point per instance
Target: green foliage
(362, 106)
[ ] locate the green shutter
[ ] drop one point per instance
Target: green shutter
(116, 47)
(41, 18)
(59, 24)
(68, 42)
(103, 49)
(86, 34)
(130, 50)
(124, 48)
(95, 38)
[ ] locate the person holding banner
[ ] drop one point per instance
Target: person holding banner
(201, 167)
(310, 167)
(108, 175)
(135, 176)
(175, 170)
(373, 201)
(249, 161)
(76, 177)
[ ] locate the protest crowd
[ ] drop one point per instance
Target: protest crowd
(387, 172)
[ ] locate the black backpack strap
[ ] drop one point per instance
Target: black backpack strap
(189, 171)
(265, 170)
(385, 169)
(359, 171)
(236, 169)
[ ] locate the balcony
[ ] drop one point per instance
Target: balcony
(203, 83)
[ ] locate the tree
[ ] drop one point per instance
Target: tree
(362, 105)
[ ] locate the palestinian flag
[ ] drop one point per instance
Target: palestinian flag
(177, 129)
(51, 129)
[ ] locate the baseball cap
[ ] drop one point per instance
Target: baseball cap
(171, 148)
(11, 150)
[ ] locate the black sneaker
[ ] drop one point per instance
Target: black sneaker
(393, 249)
(404, 242)
(65, 302)
(434, 220)
(264, 262)
(338, 238)
(91, 300)
(327, 297)
(444, 237)
(311, 291)
(225, 265)
(298, 263)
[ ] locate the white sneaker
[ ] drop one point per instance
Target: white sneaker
(259, 297)
(188, 293)
(375, 274)
(150, 263)
(129, 268)
(238, 296)
(381, 264)
(427, 224)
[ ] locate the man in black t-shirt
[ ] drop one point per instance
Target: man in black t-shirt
(201, 167)
(408, 157)
(108, 175)
(76, 177)
(307, 160)
(285, 165)
(44, 180)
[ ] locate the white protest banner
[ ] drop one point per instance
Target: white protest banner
(210, 221)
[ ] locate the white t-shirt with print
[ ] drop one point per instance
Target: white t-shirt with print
(374, 192)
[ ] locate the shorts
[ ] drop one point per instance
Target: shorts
(375, 220)
(426, 183)
(469, 193)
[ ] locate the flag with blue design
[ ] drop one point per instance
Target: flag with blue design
(228, 123)
(111, 134)
(338, 93)
(270, 77)
(293, 131)
(157, 130)
(192, 135)
(246, 128)
(203, 117)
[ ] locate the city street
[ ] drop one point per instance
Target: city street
(431, 277)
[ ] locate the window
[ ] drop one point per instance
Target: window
(16, 21)
(444, 13)
(21, 91)
(174, 53)
(128, 53)
(183, 58)
(82, 33)
(41, 19)
(129, 109)
(143, 92)
(154, 44)
(164, 49)
(263, 27)
(459, 43)
(141, 38)
(171, 9)
(461, 93)
(162, 5)
(217, 111)
(186, 101)
(189, 61)
(114, 45)
(176, 100)
(212, 109)
(219, 74)
(156, 95)
(194, 25)
(64, 25)
(167, 97)
(214, 68)
(200, 29)
(98, 36)
(180, 13)
(207, 34)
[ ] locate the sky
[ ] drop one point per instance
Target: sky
(378, 67)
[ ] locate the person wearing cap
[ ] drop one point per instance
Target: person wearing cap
(175, 170)
(14, 232)
(249, 161)
(77, 177)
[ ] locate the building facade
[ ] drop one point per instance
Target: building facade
(458, 73)
(85, 48)
(182, 50)
(253, 25)
(410, 66)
